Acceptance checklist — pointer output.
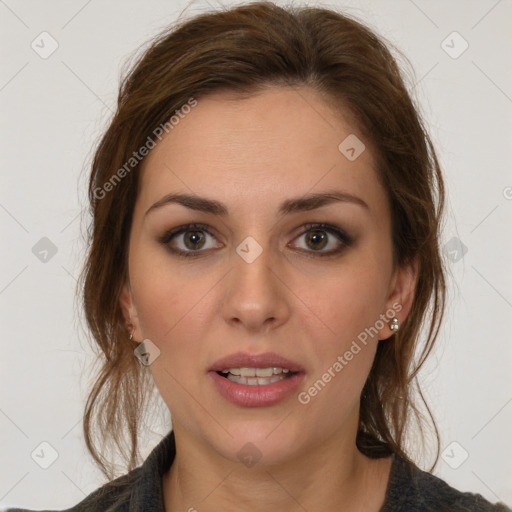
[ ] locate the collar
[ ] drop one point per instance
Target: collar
(148, 494)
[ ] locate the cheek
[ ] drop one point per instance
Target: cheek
(343, 354)
(174, 311)
(170, 315)
(341, 324)
(343, 302)
(174, 319)
(165, 297)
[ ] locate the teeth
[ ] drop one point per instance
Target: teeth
(255, 381)
(256, 372)
(256, 376)
(248, 372)
(264, 372)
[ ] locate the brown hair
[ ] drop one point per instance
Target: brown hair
(243, 50)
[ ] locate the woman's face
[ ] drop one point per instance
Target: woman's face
(255, 279)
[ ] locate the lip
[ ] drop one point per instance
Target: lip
(256, 396)
(246, 360)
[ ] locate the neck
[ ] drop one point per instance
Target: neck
(332, 477)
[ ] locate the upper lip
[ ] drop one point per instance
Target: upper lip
(246, 360)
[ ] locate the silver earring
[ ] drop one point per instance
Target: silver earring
(131, 328)
(394, 326)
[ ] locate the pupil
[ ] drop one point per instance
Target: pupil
(317, 236)
(195, 238)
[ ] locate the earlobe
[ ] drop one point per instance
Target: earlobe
(401, 296)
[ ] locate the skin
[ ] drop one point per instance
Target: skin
(246, 153)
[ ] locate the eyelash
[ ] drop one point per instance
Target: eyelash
(341, 235)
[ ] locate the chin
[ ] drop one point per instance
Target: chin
(259, 443)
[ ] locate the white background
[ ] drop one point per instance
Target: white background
(54, 110)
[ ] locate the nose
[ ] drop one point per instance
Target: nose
(256, 297)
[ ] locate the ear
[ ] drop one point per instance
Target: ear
(401, 295)
(129, 311)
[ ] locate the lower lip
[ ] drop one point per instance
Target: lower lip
(256, 396)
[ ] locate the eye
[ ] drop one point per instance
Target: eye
(319, 236)
(190, 240)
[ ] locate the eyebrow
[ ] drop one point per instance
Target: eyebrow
(294, 205)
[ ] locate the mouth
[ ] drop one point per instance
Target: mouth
(256, 376)
(256, 380)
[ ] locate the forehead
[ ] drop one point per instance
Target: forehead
(260, 148)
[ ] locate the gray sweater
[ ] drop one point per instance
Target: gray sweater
(409, 489)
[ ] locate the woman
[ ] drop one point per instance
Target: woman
(265, 250)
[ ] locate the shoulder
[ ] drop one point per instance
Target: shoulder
(138, 490)
(412, 490)
(113, 496)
